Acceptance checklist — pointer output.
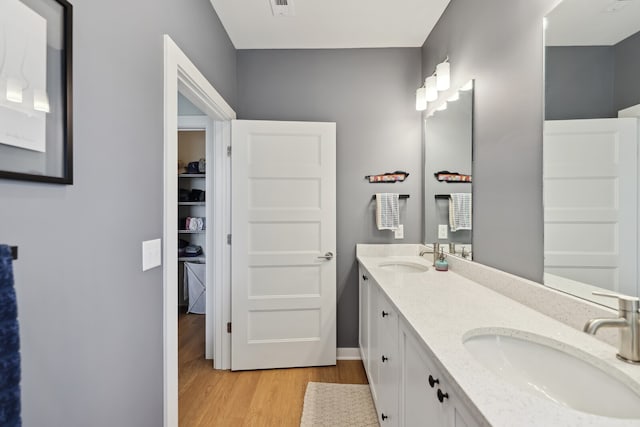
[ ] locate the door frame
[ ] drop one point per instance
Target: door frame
(180, 74)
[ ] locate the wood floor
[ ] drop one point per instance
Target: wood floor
(250, 398)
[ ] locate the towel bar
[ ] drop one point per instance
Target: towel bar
(14, 252)
(401, 196)
(442, 196)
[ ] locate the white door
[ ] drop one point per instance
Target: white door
(283, 283)
(590, 202)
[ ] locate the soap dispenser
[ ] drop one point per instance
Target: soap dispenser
(441, 263)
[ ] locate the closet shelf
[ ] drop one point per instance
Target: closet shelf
(191, 231)
(191, 175)
(192, 203)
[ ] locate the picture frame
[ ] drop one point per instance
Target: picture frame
(36, 88)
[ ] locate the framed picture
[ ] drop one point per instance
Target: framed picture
(35, 91)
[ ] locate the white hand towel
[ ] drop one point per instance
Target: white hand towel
(387, 211)
(460, 211)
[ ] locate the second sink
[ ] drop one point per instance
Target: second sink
(544, 367)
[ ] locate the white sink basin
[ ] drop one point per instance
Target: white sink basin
(403, 266)
(554, 371)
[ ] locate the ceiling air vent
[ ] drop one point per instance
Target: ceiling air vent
(282, 7)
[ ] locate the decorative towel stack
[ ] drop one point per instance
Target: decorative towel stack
(9, 345)
(460, 211)
(387, 211)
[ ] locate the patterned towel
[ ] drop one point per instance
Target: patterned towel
(9, 345)
(387, 211)
(460, 211)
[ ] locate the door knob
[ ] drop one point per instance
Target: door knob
(327, 256)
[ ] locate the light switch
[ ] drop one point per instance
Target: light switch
(443, 231)
(399, 232)
(151, 254)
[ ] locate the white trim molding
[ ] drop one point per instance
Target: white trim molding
(348, 353)
(180, 74)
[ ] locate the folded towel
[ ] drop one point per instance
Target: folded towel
(387, 211)
(460, 211)
(9, 345)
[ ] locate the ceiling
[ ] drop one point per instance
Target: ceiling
(329, 24)
(592, 22)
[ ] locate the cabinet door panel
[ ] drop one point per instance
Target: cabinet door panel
(420, 405)
(458, 414)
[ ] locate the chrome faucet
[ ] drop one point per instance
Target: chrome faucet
(435, 252)
(452, 248)
(628, 321)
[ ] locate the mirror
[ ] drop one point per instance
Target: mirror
(590, 147)
(448, 142)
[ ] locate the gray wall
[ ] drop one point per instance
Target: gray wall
(370, 94)
(587, 82)
(627, 89)
(90, 319)
(186, 108)
(579, 82)
(504, 56)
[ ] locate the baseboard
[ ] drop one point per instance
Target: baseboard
(348, 353)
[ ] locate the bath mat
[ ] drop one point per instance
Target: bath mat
(338, 405)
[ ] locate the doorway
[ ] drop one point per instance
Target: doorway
(181, 75)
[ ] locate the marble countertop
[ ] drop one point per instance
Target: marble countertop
(441, 307)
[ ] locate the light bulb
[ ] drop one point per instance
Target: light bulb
(430, 86)
(443, 76)
(442, 107)
(421, 99)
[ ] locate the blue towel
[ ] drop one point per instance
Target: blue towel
(9, 345)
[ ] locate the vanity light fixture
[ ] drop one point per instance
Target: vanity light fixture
(431, 88)
(421, 99)
(443, 75)
(442, 107)
(439, 81)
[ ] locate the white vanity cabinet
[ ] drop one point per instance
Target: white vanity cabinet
(407, 387)
(368, 343)
(379, 348)
(426, 397)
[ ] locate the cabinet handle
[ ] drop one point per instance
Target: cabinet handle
(442, 396)
(364, 277)
(384, 313)
(384, 359)
(433, 381)
(384, 417)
